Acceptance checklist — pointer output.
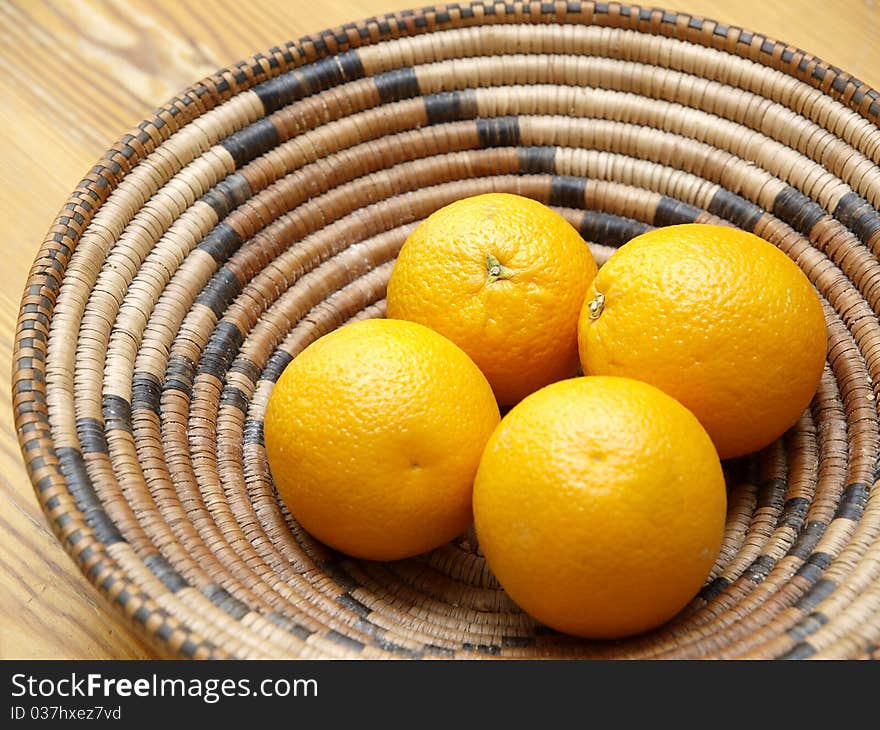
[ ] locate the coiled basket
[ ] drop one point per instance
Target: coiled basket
(264, 206)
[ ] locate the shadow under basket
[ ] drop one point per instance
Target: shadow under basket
(264, 206)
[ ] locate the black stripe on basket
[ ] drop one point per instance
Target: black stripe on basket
(808, 539)
(498, 131)
(223, 345)
(736, 209)
(852, 502)
(379, 24)
(38, 335)
(310, 79)
(220, 291)
(817, 593)
(353, 604)
(37, 310)
(221, 242)
(34, 426)
(141, 613)
(189, 647)
(165, 631)
(146, 392)
(27, 362)
(796, 209)
(163, 570)
(245, 367)
(350, 63)
(858, 215)
(322, 74)
(251, 142)
(443, 651)
(375, 632)
(278, 361)
(333, 569)
(88, 552)
(234, 397)
(280, 91)
(117, 412)
(567, 191)
(27, 343)
(451, 106)
(39, 462)
(492, 649)
(672, 212)
(714, 588)
(806, 626)
(91, 436)
(31, 427)
(290, 626)
(839, 83)
(814, 566)
(396, 85)
(45, 483)
(179, 374)
(225, 601)
(53, 502)
(536, 160)
(73, 468)
(378, 633)
(760, 568)
(794, 512)
(228, 194)
(253, 432)
(345, 641)
(398, 650)
(610, 230)
(771, 494)
(517, 641)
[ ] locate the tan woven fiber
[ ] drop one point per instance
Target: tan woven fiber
(264, 207)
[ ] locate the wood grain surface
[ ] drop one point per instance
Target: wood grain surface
(77, 74)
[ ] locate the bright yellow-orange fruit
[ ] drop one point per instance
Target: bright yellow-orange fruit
(600, 506)
(503, 277)
(719, 319)
(374, 433)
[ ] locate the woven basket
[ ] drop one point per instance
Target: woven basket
(264, 206)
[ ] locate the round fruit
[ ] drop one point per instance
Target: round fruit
(374, 433)
(719, 319)
(504, 278)
(600, 506)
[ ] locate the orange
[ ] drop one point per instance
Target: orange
(600, 506)
(504, 278)
(373, 435)
(718, 318)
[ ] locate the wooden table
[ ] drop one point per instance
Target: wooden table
(79, 73)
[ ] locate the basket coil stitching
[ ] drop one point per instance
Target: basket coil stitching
(264, 207)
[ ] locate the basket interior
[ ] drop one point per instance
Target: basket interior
(264, 206)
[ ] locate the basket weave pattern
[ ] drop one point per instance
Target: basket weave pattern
(264, 206)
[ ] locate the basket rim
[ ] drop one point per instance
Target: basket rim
(28, 381)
